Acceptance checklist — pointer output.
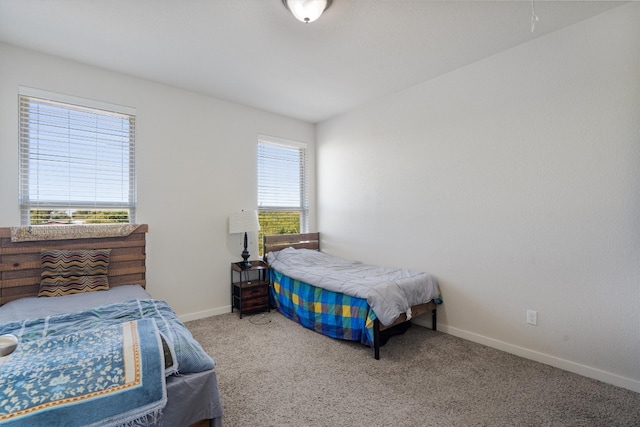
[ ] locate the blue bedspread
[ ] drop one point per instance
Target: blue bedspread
(68, 368)
(104, 376)
(330, 313)
(187, 352)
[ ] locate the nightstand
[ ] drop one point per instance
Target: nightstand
(250, 287)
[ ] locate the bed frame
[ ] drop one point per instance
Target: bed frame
(312, 241)
(20, 264)
(20, 261)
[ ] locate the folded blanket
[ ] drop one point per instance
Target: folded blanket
(100, 377)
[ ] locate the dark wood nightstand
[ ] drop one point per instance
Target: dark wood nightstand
(250, 287)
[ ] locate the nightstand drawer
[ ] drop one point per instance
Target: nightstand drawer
(255, 303)
(255, 291)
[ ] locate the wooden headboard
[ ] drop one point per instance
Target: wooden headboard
(20, 261)
(278, 242)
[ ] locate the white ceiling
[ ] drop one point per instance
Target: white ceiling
(255, 53)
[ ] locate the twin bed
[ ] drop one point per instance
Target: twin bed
(113, 356)
(341, 298)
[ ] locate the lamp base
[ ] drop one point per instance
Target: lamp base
(245, 255)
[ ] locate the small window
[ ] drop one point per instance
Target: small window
(77, 160)
(283, 200)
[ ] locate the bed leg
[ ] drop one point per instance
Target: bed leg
(434, 320)
(376, 339)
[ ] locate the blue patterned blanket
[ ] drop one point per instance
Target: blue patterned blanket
(187, 353)
(90, 329)
(330, 313)
(104, 376)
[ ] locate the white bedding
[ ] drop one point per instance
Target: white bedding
(388, 291)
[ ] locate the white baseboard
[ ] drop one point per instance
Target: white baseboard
(206, 313)
(567, 365)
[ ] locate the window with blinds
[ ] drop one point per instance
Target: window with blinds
(283, 194)
(77, 160)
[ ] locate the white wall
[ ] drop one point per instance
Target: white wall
(196, 163)
(514, 180)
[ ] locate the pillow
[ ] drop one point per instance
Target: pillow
(73, 272)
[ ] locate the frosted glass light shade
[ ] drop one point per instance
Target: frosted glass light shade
(307, 10)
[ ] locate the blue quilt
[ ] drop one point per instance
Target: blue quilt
(79, 352)
(103, 376)
(188, 354)
(330, 313)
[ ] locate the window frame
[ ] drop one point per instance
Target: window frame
(122, 197)
(302, 190)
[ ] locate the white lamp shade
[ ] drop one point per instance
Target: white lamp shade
(240, 222)
(307, 10)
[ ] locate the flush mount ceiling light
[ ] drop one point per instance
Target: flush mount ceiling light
(307, 10)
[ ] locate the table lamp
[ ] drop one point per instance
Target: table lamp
(242, 222)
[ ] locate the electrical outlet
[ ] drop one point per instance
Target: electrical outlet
(532, 317)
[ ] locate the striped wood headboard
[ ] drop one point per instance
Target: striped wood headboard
(20, 261)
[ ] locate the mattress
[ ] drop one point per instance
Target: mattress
(389, 291)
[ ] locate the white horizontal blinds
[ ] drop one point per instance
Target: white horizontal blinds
(283, 182)
(77, 163)
(282, 176)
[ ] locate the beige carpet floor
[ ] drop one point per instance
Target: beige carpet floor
(273, 372)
